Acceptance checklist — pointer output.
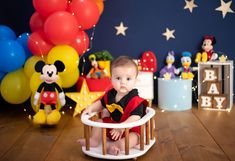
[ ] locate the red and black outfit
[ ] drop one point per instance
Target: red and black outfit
(131, 104)
(48, 94)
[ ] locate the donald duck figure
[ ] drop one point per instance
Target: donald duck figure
(186, 70)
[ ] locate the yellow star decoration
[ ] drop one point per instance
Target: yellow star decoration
(83, 98)
(222, 58)
(167, 76)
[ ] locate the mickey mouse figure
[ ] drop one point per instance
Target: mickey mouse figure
(207, 46)
(47, 92)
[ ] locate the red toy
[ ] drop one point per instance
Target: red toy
(148, 62)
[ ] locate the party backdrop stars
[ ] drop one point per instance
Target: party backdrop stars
(190, 5)
(121, 29)
(135, 26)
(149, 24)
(225, 8)
(169, 34)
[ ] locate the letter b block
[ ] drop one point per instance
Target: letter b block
(210, 74)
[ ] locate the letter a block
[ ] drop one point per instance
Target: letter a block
(213, 88)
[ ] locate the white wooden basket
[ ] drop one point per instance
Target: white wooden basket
(147, 138)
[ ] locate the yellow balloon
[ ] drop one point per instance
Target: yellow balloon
(35, 108)
(69, 79)
(15, 87)
(29, 65)
(35, 81)
(65, 53)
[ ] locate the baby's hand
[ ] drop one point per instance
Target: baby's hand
(105, 113)
(87, 111)
(116, 133)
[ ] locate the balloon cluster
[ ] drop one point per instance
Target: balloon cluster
(58, 33)
(14, 51)
(59, 22)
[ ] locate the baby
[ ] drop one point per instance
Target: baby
(122, 104)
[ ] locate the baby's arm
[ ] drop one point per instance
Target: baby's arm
(117, 133)
(132, 118)
(95, 107)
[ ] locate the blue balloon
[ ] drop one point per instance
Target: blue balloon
(12, 56)
(6, 33)
(23, 40)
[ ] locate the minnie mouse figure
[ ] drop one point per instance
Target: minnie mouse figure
(47, 92)
(207, 46)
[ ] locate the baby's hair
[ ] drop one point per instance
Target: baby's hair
(125, 61)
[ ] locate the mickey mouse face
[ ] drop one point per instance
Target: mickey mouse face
(207, 45)
(49, 74)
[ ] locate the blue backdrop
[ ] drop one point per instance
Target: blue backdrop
(146, 20)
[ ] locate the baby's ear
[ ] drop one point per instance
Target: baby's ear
(39, 65)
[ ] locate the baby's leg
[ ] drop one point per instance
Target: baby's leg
(95, 137)
(115, 147)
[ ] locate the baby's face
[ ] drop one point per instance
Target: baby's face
(123, 79)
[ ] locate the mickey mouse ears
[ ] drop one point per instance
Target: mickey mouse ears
(212, 38)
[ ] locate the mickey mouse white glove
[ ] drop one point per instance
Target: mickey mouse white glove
(62, 98)
(214, 56)
(36, 98)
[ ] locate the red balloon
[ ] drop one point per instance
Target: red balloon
(100, 5)
(38, 43)
(61, 28)
(86, 12)
(81, 42)
(36, 22)
(47, 7)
